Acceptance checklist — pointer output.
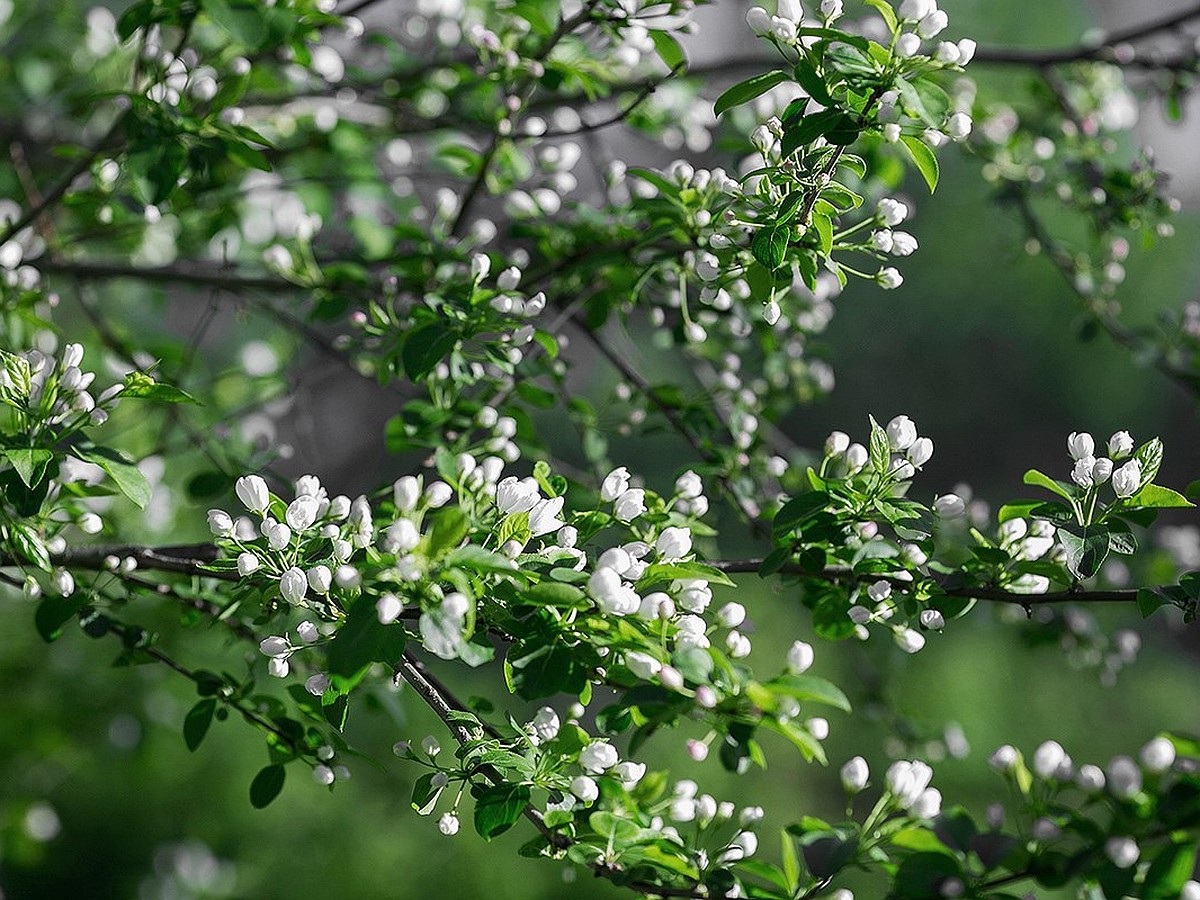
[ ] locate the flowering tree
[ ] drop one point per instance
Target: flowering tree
(427, 203)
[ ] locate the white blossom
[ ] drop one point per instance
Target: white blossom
(543, 518)
(1080, 445)
(1127, 479)
(220, 523)
(630, 505)
(598, 756)
(855, 775)
(1123, 851)
(800, 657)
(293, 585)
(585, 788)
(673, 543)
(247, 563)
(907, 781)
(901, 433)
(546, 724)
(615, 484)
(1157, 755)
(252, 491)
(1120, 445)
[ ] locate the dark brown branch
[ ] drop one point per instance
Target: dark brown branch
(1093, 306)
(1103, 51)
(186, 559)
(844, 574)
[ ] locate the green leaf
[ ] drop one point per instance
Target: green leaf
(669, 50)
(745, 91)
(425, 347)
(921, 875)
(925, 100)
(30, 463)
(880, 451)
(557, 594)
(1171, 869)
(769, 246)
(797, 511)
(1150, 455)
(266, 785)
(889, 15)
(141, 386)
(924, 159)
(241, 20)
(27, 544)
(448, 528)
(823, 225)
(514, 527)
(425, 795)
(810, 688)
(813, 83)
(197, 721)
(1085, 553)
(667, 571)
(361, 641)
(499, 807)
(1149, 601)
(1037, 479)
(121, 469)
(479, 559)
(14, 390)
(1154, 496)
(54, 612)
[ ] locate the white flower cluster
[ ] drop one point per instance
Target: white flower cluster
(1122, 778)
(508, 301)
(1091, 471)
(54, 391)
(908, 784)
(924, 22)
(909, 451)
(1027, 540)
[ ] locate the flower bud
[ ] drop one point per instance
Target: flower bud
(799, 658)
(901, 433)
(1128, 479)
(759, 20)
(1080, 445)
(320, 579)
(405, 493)
(1157, 755)
(275, 646)
(317, 684)
(388, 608)
(247, 563)
(1124, 777)
(293, 585)
(673, 543)
(252, 491)
(1123, 851)
(855, 775)
(1120, 445)
(585, 788)
(220, 523)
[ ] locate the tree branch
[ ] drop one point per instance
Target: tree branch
(845, 574)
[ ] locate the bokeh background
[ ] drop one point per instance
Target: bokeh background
(100, 798)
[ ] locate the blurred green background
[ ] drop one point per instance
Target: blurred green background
(100, 798)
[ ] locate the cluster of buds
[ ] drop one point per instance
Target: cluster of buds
(1091, 471)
